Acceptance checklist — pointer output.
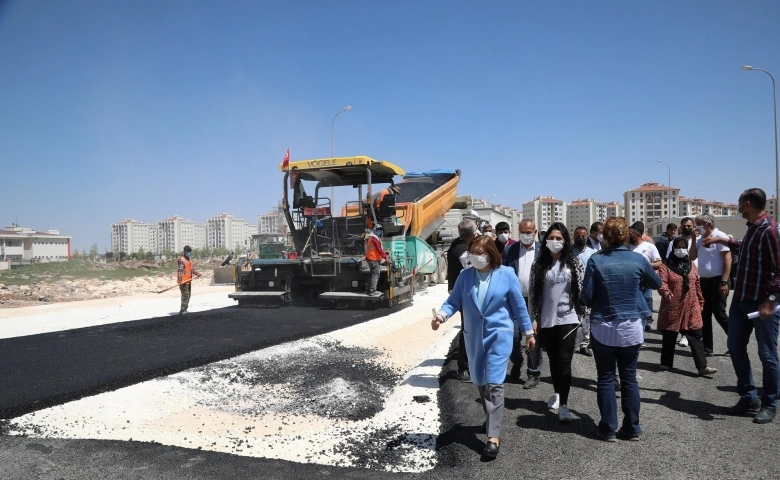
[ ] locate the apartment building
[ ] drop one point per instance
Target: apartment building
(651, 201)
(175, 232)
(494, 213)
(614, 209)
(131, 236)
(224, 230)
(583, 212)
(273, 221)
(690, 207)
(544, 211)
(24, 244)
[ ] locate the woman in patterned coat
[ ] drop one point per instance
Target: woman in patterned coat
(681, 304)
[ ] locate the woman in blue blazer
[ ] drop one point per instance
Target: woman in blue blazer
(491, 300)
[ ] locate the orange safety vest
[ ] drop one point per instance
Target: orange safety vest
(372, 253)
(186, 275)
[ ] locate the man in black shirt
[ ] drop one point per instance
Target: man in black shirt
(467, 231)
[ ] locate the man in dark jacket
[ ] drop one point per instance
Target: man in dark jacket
(467, 231)
(663, 244)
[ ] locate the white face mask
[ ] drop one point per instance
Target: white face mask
(700, 229)
(600, 237)
(680, 252)
(555, 246)
(478, 261)
(526, 238)
(503, 237)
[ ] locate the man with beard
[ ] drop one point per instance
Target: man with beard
(756, 289)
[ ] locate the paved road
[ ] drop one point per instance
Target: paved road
(48, 369)
(686, 433)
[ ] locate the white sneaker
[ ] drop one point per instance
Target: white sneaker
(554, 401)
(563, 414)
(684, 341)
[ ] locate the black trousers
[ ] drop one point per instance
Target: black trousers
(560, 351)
(694, 340)
(714, 304)
(463, 358)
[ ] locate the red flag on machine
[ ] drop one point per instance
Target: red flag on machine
(286, 161)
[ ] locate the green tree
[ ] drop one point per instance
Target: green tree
(140, 253)
(93, 251)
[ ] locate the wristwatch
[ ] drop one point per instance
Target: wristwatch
(772, 298)
(724, 283)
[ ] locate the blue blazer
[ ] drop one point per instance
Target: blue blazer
(489, 334)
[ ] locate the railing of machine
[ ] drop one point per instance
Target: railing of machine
(324, 253)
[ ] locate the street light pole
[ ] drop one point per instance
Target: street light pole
(669, 201)
(332, 126)
(777, 158)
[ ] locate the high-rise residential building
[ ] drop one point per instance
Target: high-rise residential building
(771, 207)
(229, 232)
(614, 209)
(583, 212)
(130, 236)
(273, 221)
(650, 202)
(544, 211)
(175, 232)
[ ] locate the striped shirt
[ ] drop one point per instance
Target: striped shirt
(758, 269)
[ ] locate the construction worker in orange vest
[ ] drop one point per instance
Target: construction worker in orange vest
(375, 255)
(184, 278)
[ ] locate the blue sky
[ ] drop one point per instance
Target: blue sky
(146, 109)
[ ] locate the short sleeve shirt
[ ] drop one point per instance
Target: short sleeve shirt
(711, 258)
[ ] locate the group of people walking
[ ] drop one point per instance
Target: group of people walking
(592, 294)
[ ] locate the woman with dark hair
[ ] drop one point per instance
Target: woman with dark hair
(681, 305)
(612, 287)
(491, 300)
(555, 285)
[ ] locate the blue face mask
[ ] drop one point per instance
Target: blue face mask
(187, 254)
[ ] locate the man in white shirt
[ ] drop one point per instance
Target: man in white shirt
(520, 256)
(714, 270)
(650, 253)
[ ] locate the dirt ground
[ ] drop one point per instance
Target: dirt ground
(72, 290)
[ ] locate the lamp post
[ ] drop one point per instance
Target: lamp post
(332, 126)
(669, 201)
(777, 158)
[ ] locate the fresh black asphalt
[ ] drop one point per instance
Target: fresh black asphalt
(686, 433)
(39, 371)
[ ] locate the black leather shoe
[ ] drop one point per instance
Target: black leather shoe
(491, 450)
(745, 407)
(532, 382)
(765, 415)
(464, 376)
(708, 352)
(586, 351)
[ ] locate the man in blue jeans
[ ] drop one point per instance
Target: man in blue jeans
(757, 289)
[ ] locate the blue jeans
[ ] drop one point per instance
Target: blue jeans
(766, 339)
(626, 359)
(649, 298)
